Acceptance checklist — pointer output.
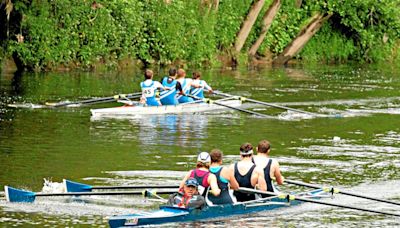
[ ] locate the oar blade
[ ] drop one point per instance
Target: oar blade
(18, 195)
(71, 186)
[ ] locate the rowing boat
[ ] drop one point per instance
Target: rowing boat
(193, 107)
(170, 214)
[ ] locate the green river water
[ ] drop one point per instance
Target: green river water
(357, 148)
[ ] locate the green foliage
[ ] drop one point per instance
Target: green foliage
(373, 26)
(328, 45)
(89, 33)
(230, 17)
(77, 32)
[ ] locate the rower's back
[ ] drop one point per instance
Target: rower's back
(247, 174)
(270, 166)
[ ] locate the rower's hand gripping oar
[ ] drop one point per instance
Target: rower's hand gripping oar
(96, 100)
(294, 197)
(18, 195)
(72, 186)
(209, 101)
(335, 190)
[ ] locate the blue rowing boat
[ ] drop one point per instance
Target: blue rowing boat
(169, 214)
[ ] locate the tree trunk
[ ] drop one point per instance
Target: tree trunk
(266, 23)
(305, 34)
(248, 24)
(216, 5)
(298, 3)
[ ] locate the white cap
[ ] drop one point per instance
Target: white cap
(204, 157)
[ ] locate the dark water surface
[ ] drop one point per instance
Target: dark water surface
(357, 149)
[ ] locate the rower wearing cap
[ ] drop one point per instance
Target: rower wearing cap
(269, 165)
(189, 198)
(247, 174)
(203, 176)
(225, 178)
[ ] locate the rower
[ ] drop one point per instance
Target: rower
(247, 174)
(149, 88)
(170, 97)
(270, 166)
(225, 179)
(199, 92)
(189, 197)
(186, 83)
(203, 176)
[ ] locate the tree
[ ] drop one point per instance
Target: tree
(305, 34)
(266, 23)
(248, 24)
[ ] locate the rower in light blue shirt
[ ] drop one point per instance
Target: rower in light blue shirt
(187, 84)
(169, 97)
(199, 92)
(149, 88)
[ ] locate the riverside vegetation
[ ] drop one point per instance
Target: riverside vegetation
(46, 35)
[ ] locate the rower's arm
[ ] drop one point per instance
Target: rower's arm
(212, 181)
(260, 179)
(232, 180)
(277, 173)
(178, 87)
(184, 180)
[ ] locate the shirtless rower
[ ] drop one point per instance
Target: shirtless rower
(203, 176)
(270, 166)
(225, 178)
(247, 174)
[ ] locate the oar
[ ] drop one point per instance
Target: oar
(18, 195)
(96, 100)
(269, 104)
(294, 197)
(231, 107)
(335, 190)
(72, 186)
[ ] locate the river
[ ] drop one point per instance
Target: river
(355, 147)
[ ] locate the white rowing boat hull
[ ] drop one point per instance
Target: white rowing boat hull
(164, 109)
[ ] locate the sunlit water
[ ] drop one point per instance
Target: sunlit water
(354, 144)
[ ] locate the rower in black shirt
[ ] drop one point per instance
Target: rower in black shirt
(247, 174)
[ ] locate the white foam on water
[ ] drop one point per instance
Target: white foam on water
(292, 115)
(349, 102)
(57, 207)
(27, 105)
(53, 187)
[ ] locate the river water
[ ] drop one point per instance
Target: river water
(355, 147)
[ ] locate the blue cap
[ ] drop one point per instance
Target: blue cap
(192, 182)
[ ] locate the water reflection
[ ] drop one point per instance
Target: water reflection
(185, 130)
(179, 130)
